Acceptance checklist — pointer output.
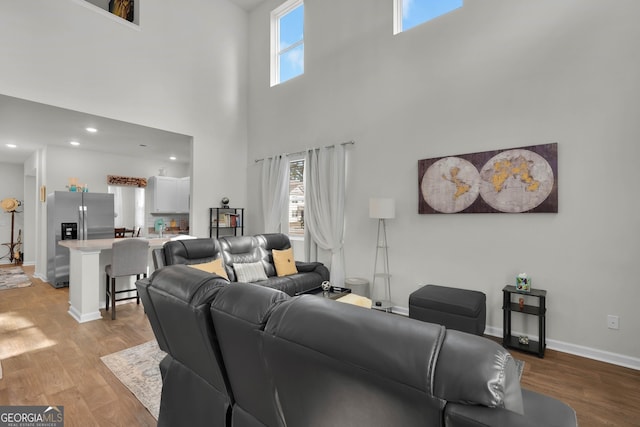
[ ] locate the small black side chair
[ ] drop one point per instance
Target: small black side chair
(128, 257)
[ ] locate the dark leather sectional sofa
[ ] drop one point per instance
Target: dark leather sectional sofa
(243, 355)
(244, 249)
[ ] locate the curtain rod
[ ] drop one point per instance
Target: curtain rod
(304, 151)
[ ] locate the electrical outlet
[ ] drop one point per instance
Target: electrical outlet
(613, 322)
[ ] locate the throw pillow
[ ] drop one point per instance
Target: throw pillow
(214, 266)
(249, 272)
(284, 262)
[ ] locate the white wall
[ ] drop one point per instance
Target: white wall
(65, 163)
(183, 69)
(11, 186)
(495, 74)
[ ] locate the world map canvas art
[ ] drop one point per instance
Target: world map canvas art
(515, 180)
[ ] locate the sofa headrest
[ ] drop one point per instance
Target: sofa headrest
(191, 251)
(186, 284)
(338, 364)
(241, 250)
(248, 302)
(401, 349)
(270, 241)
(475, 370)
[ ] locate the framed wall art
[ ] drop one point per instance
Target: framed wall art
(122, 8)
(514, 180)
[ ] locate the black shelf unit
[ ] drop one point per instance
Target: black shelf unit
(540, 310)
(229, 228)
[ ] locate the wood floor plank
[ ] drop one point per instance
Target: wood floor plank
(50, 359)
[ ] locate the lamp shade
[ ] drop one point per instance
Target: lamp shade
(382, 208)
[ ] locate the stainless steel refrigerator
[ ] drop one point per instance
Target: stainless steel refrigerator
(72, 215)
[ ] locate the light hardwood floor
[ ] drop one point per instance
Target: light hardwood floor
(50, 359)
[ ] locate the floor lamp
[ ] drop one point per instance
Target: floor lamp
(11, 205)
(382, 209)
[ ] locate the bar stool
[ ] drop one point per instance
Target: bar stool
(128, 258)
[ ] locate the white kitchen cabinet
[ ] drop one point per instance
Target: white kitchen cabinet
(184, 193)
(168, 194)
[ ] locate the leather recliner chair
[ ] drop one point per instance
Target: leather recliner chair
(239, 328)
(195, 386)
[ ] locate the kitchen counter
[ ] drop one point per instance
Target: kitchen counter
(100, 244)
(87, 261)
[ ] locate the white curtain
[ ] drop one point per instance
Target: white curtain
(324, 206)
(138, 215)
(275, 192)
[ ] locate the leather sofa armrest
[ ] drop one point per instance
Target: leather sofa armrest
(315, 267)
(539, 410)
(306, 267)
(475, 370)
(158, 258)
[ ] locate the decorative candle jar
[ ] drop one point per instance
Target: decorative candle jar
(523, 283)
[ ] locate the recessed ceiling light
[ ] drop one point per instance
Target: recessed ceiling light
(172, 158)
(11, 145)
(92, 130)
(74, 143)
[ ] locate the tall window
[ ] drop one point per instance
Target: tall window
(287, 41)
(296, 198)
(409, 13)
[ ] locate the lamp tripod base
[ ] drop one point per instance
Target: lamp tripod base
(382, 305)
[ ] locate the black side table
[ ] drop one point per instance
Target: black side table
(508, 307)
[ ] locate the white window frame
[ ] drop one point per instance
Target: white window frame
(397, 17)
(276, 14)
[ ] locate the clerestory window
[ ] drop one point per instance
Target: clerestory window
(287, 41)
(409, 13)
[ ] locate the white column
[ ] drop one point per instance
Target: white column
(84, 285)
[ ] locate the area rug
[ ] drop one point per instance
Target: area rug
(138, 369)
(13, 277)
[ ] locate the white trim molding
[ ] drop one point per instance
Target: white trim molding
(564, 347)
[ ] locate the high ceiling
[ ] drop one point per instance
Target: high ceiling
(31, 126)
(247, 4)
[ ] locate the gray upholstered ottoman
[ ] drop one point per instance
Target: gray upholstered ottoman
(459, 309)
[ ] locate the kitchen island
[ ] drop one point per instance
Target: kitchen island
(87, 261)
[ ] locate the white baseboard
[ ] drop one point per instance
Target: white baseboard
(40, 276)
(403, 311)
(578, 350)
